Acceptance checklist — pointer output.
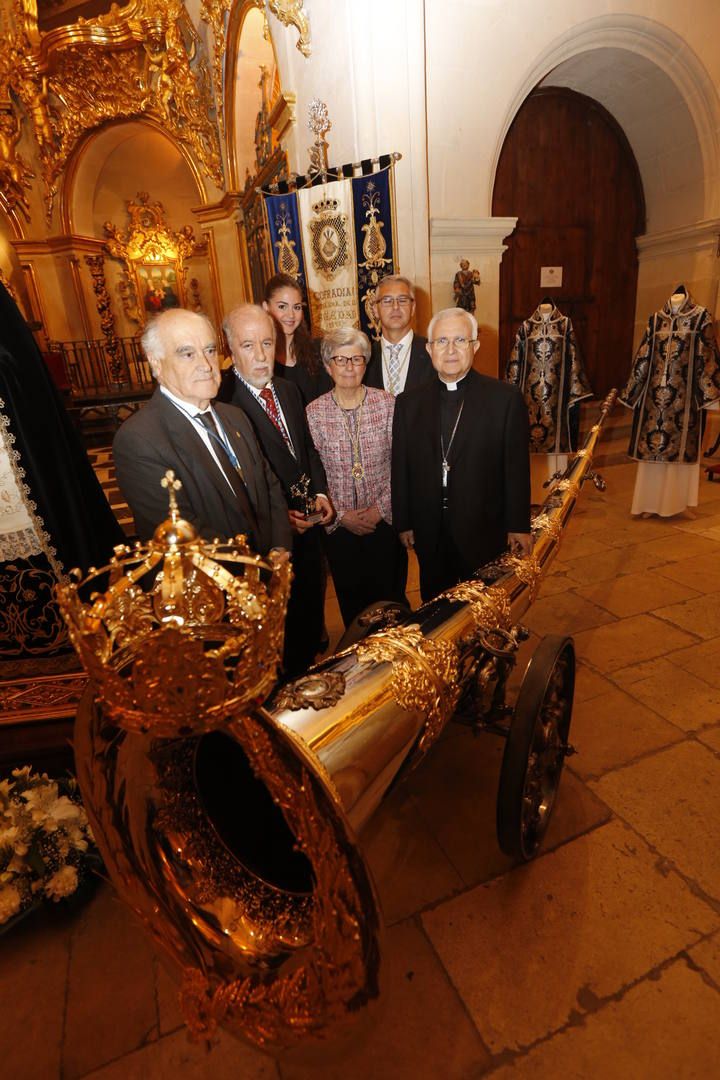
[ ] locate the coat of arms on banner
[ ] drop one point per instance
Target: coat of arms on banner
(329, 238)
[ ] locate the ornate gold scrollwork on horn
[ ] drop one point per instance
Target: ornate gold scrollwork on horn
(425, 674)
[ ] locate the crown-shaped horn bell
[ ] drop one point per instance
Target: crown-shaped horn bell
(186, 632)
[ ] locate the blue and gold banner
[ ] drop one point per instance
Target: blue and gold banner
(335, 235)
(284, 227)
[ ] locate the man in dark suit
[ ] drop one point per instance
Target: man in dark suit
(399, 360)
(275, 409)
(460, 462)
(227, 485)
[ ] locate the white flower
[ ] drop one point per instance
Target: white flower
(9, 902)
(63, 882)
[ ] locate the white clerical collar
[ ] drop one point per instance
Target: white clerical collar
(454, 385)
(404, 342)
(186, 407)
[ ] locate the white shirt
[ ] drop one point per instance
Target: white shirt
(268, 386)
(191, 411)
(403, 359)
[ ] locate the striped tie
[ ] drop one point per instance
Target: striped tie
(394, 365)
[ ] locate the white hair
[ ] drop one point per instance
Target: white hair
(151, 340)
(446, 313)
(338, 339)
(237, 313)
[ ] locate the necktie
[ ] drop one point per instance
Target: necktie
(394, 367)
(231, 473)
(268, 399)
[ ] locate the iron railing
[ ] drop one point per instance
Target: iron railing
(92, 372)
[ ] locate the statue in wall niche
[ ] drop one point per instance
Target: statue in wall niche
(464, 286)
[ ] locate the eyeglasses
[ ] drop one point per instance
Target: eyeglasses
(443, 343)
(343, 361)
(388, 302)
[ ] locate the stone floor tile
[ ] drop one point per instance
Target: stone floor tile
(564, 613)
(699, 524)
(589, 684)
(678, 695)
(700, 615)
(419, 1030)
(638, 638)
(111, 1007)
(614, 728)
(637, 530)
(33, 974)
(170, 1017)
(632, 594)
(706, 954)
(702, 660)
(673, 800)
(531, 949)
(711, 738)
(408, 865)
(555, 581)
(677, 1007)
(711, 534)
(679, 546)
(175, 1056)
(457, 797)
(581, 543)
(701, 574)
(610, 564)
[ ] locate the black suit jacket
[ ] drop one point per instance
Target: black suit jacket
(489, 481)
(420, 369)
(158, 437)
(287, 468)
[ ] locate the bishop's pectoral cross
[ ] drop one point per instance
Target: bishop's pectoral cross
(445, 471)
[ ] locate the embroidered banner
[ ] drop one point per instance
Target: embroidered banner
(284, 227)
(335, 235)
(326, 214)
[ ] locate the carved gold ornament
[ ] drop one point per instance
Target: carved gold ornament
(15, 173)
(146, 242)
(142, 60)
(425, 674)
(214, 13)
(292, 13)
(489, 605)
(319, 690)
(163, 657)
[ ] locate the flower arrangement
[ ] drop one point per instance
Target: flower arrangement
(46, 847)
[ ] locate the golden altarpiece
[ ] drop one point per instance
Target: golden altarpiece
(77, 81)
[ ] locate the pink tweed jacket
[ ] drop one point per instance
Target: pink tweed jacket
(330, 435)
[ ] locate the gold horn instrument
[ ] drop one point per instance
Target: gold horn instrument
(230, 826)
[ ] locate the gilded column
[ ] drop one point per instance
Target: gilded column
(96, 263)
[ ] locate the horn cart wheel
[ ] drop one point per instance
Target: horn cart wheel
(536, 748)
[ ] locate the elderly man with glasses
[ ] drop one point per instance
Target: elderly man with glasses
(398, 361)
(460, 462)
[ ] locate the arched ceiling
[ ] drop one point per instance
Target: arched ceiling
(116, 164)
(657, 122)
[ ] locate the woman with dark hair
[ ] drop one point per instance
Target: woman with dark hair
(296, 354)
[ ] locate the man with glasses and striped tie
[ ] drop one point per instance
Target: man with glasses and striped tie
(398, 361)
(460, 462)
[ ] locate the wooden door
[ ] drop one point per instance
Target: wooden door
(567, 172)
